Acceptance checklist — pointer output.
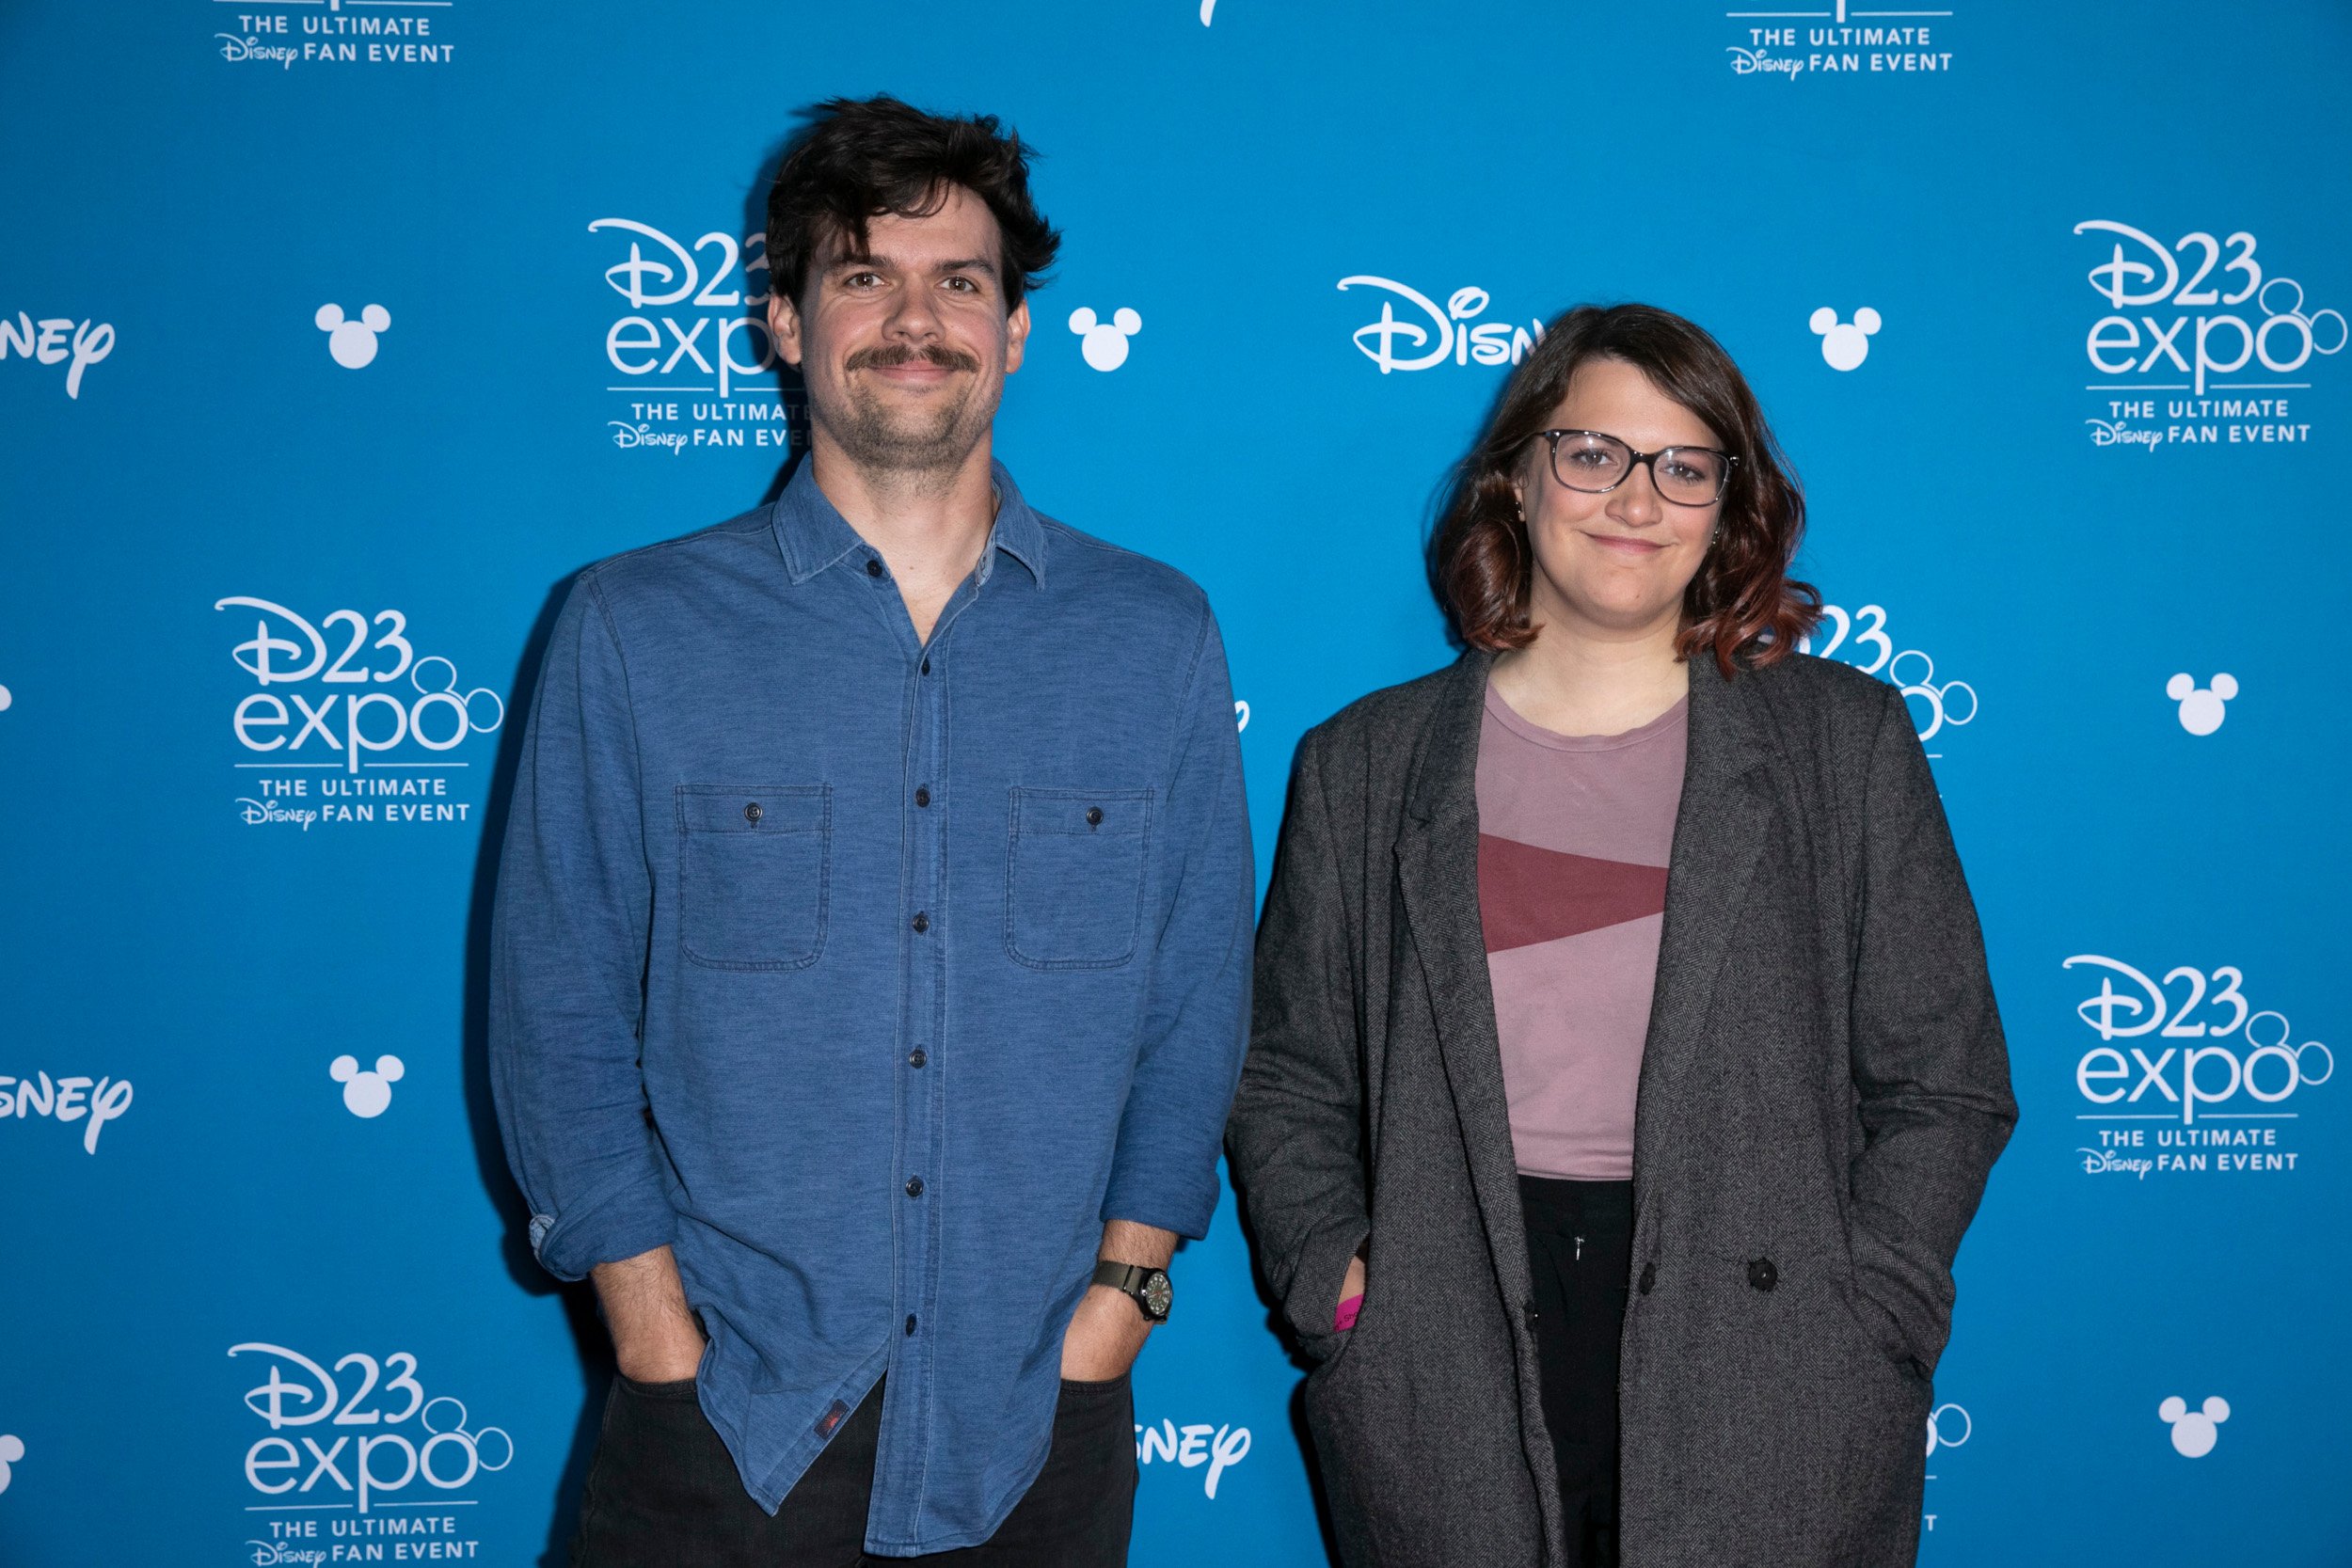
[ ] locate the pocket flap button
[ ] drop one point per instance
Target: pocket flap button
(752, 813)
(1094, 816)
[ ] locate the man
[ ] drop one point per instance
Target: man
(872, 936)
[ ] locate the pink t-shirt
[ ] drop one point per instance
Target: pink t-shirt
(1574, 836)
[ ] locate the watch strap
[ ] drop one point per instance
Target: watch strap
(1128, 1280)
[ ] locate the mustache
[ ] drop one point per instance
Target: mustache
(887, 355)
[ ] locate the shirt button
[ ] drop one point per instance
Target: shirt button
(922, 797)
(922, 924)
(927, 666)
(752, 813)
(915, 1186)
(1094, 816)
(873, 568)
(1649, 1278)
(916, 1057)
(909, 1325)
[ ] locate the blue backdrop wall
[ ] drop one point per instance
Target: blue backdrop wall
(335, 334)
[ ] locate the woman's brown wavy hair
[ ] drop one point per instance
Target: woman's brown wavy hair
(1742, 605)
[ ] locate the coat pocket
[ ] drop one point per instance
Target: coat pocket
(1074, 883)
(753, 864)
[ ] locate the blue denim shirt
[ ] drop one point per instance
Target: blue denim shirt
(874, 977)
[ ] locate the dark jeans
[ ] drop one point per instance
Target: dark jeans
(1580, 1241)
(663, 1491)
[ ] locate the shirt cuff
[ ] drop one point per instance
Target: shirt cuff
(569, 1244)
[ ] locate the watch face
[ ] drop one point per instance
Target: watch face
(1157, 1294)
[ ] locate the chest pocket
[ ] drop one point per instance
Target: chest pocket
(1073, 891)
(753, 860)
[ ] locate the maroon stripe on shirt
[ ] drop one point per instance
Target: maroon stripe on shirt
(1527, 894)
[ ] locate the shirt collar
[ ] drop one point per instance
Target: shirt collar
(814, 535)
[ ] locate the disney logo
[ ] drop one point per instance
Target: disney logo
(267, 1552)
(625, 435)
(235, 46)
(258, 812)
(1193, 1447)
(1751, 62)
(67, 1099)
(1446, 334)
(2101, 1162)
(2116, 433)
(45, 343)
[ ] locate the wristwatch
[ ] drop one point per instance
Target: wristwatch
(1148, 1289)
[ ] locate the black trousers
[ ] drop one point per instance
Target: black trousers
(664, 1491)
(1580, 1242)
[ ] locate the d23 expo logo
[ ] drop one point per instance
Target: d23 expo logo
(690, 355)
(1861, 640)
(349, 723)
(360, 1463)
(1948, 1427)
(2188, 1076)
(2200, 346)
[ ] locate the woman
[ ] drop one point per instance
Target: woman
(1618, 994)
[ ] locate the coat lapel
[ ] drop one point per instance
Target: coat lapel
(1720, 831)
(1436, 866)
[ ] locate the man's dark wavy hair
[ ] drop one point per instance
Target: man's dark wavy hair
(862, 158)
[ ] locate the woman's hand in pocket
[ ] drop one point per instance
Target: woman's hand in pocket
(1351, 1292)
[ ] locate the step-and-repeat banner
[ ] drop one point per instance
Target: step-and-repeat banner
(336, 335)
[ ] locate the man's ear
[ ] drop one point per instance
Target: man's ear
(1016, 335)
(783, 328)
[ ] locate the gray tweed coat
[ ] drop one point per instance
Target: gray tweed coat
(1824, 1087)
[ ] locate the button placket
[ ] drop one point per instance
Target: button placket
(921, 1092)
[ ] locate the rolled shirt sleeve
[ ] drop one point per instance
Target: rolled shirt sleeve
(567, 961)
(1196, 1006)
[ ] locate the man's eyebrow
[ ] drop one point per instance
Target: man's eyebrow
(971, 263)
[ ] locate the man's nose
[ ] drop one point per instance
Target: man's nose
(913, 315)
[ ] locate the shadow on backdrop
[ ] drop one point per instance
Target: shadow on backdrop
(593, 1345)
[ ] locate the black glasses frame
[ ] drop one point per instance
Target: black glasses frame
(1637, 459)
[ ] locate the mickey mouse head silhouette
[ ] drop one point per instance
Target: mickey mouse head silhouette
(1844, 346)
(2193, 1433)
(353, 343)
(2202, 711)
(366, 1094)
(1104, 344)
(11, 1450)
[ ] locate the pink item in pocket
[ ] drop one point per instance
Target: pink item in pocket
(1344, 1319)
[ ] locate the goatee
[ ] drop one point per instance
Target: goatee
(926, 441)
